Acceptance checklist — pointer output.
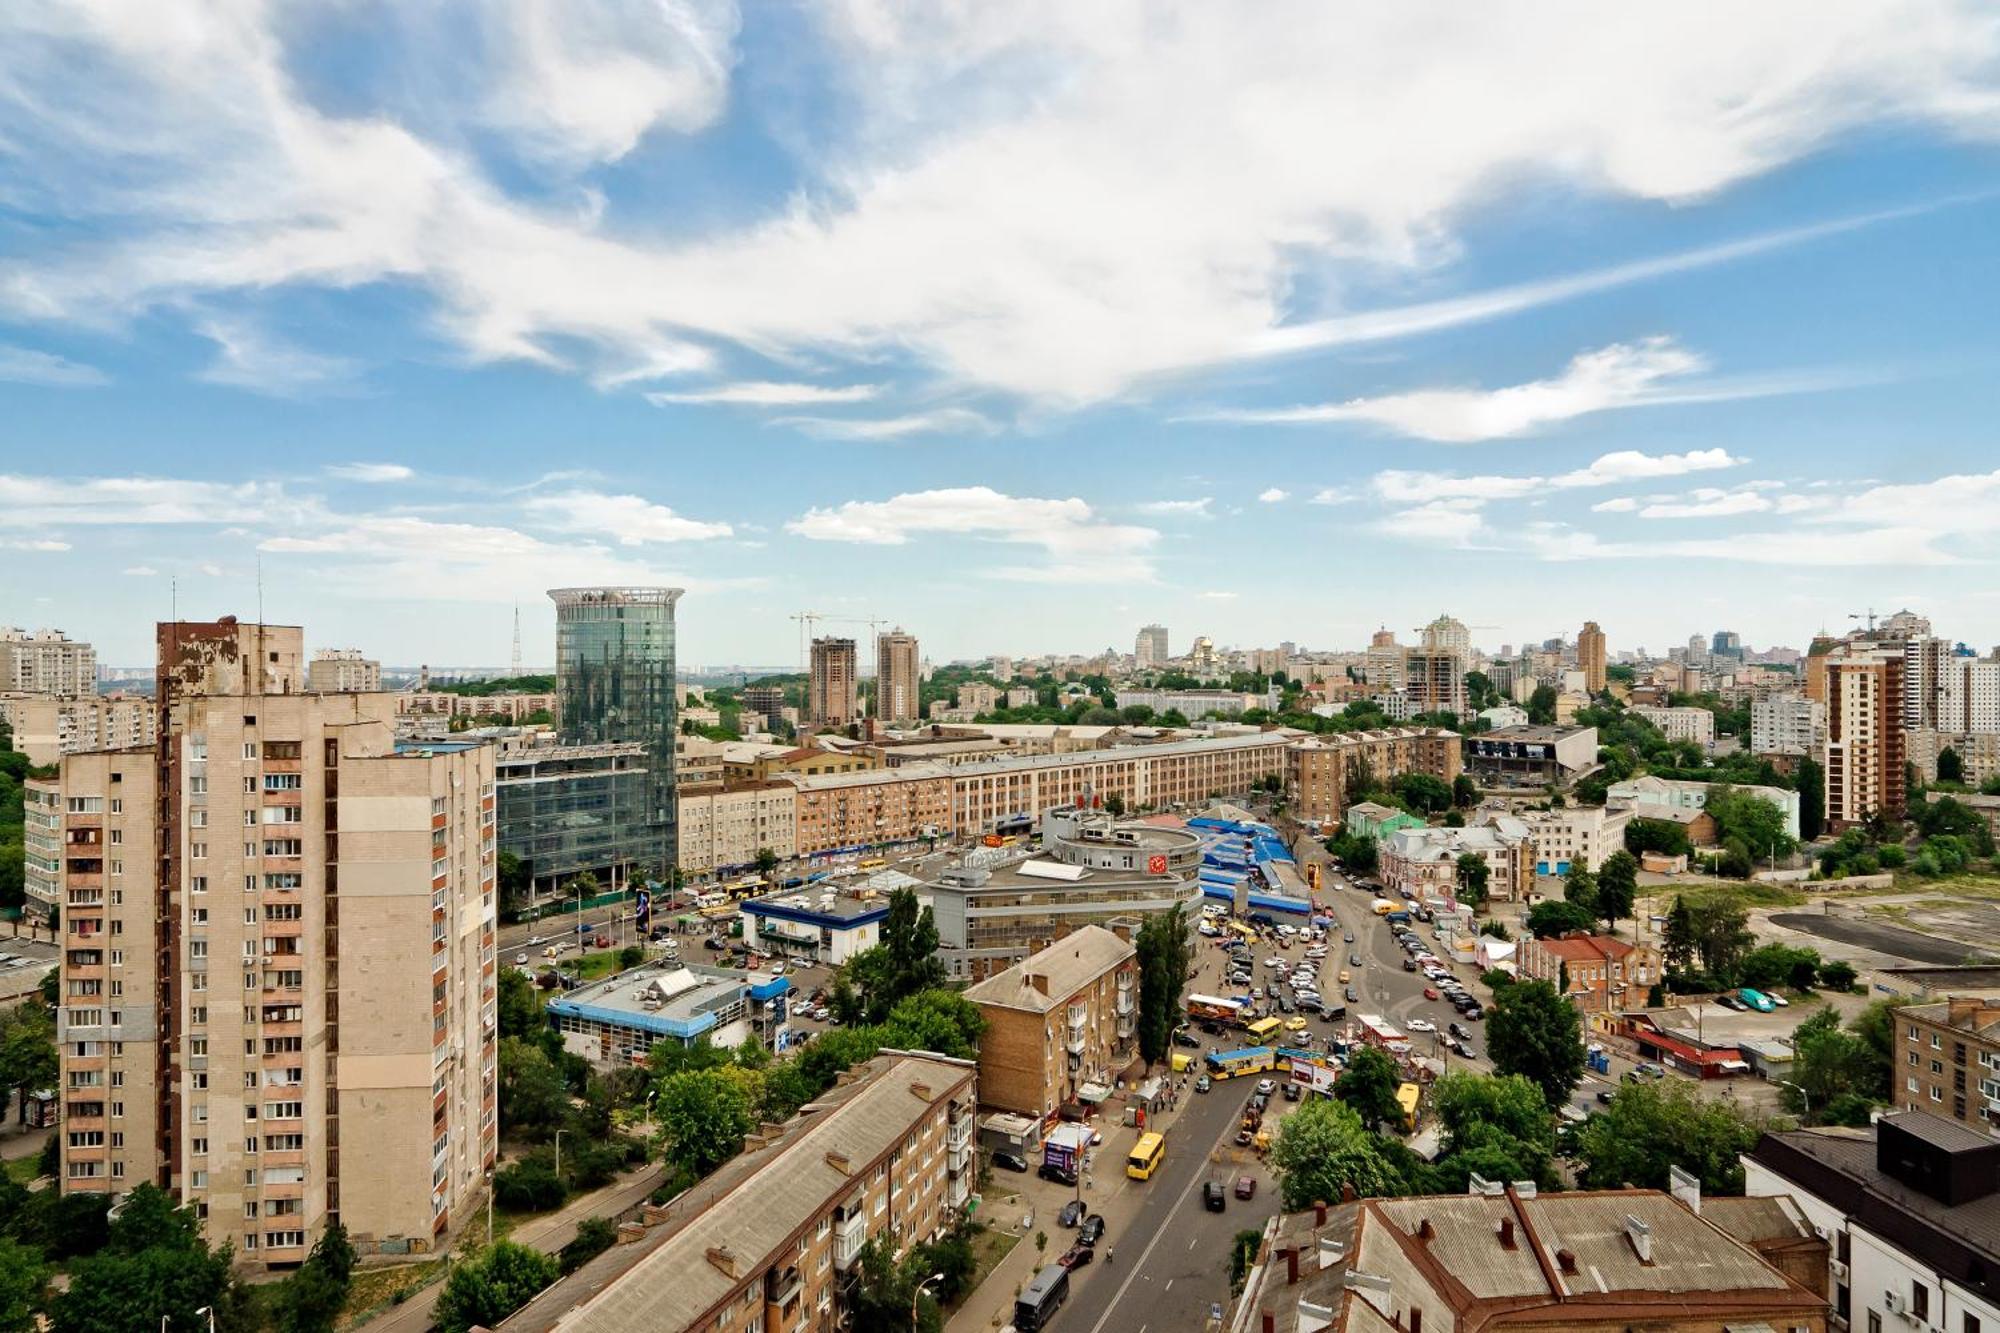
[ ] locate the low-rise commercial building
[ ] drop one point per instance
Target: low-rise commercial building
(1531, 756)
(1680, 723)
(1425, 860)
(1194, 704)
(616, 1022)
(1504, 715)
(1676, 799)
(1600, 974)
(1369, 822)
(47, 726)
(998, 906)
(1061, 1024)
(815, 924)
(1588, 1261)
(1576, 835)
(1910, 1208)
(770, 1241)
(723, 829)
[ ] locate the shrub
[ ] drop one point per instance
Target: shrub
(529, 1185)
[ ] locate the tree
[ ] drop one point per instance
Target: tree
(312, 1298)
(1464, 791)
(885, 1289)
(1678, 946)
(1747, 818)
(1165, 960)
(1659, 1123)
(521, 1010)
(28, 1048)
(529, 1185)
(936, 1020)
(1369, 1086)
(594, 1235)
(1473, 873)
(903, 963)
(1838, 975)
(1542, 706)
(703, 1116)
(516, 881)
(1580, 888)
(23, 1278)
(767, 861)
(153, 1268)
(1321, 1147)
(1617, 887)
(1656, 835)
(1774, 965)
(1536, 1033)
(533, 1095)
(1950, 768)
(1494, 1126)
(1423, 793)
(1553, 918)
(1722, 934)
(488, 1289)
(1833, 1077)
(1812, 799)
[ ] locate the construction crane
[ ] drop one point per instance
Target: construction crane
(1868, 616)
(809, 623)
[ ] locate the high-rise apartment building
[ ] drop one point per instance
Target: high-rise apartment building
(897, 667)
(1726, 643)
(831, 689)
(1787, 724)
(46, 662)
(1436, 680)
(343, 671)
(1932, 689)
(1864, 749)
(48, 726)
(1151, 648)
(767, 702)
(277, 970)
(1385, 664)
(1590, 656)
(1447, 634)
(615, 663)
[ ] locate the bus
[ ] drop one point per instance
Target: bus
(1040, 1299)
(1147, 1154)
(1264, 1030)
(719, 911)
(1248, 1060)
(872, 863)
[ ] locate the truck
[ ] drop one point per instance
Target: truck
(1757, 1000)
(1064, 1148)
(1215, 1009)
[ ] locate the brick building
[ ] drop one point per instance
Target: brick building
(1321, 771)
(1604, 973)
(1060, 1024)
(1947, 1060)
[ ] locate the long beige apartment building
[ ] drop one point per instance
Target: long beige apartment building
(1323, 771)
(723, 828)
(46, 661)
(47, 726)
(277, 961)
(771, 1241)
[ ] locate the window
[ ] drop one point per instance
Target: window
(1920, 1302)
(1969, 1324)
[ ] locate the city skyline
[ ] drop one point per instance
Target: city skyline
(1519, 354)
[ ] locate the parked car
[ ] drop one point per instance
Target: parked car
(1093, 1229)
(1213, 1196)
(1409, 965)
(1010, 1161)
(1731, 1002)
(1421, 1025)
(1246, 1187)
(1468, 1050)
(1353, 995)
(1182, 1037)
(1202, 1084)
(1459, 1030)
(1430, 992)
(1076, 1256)
(1604, 1097)
(1071, 1214)
(1057, 1172)
(1291, 1092)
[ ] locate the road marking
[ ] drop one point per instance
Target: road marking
(1146, 1253)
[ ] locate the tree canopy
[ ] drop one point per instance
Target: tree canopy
(903, 963)
(1658, 1123)
(1322, 1146)
(1536, 1033)
(1369, 1085)
(1165, 959)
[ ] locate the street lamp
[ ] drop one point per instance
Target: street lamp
(208, 1310)
(489, 1209)
(934, 1277)
(1805, 1098)
(559, 1135)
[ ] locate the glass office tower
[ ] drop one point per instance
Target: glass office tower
(615, 686)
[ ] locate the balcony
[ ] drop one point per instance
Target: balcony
(960, 1132)
(1126, 1025)
(1074, 1043)
(782, 1288)
(957, 1158)
(1125, 1005)
(849, 1235)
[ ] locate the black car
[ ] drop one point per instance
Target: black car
(1459, 1030)
(1071, 1214)
(1409, 964)
(1468, 1050)
(1285, 1004)
(1260, 1101)
(1076, 1256)
(1604, 1097)
(1291, 1092)
(1182, 1037)
(1347, 936)
(1010, 1161)
(1055, 1171)
(713, 943)
(1093, 1230)
(1353, 995)
(1213, 1196)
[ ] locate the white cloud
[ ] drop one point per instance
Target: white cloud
(404, 558)
(1624, 504)
(1817, 550)
(49, 502)
(1142, 187)
(1334, 495)
(1631, 465)
(371, 472)
(1078, 543)
(954, 420)
(764, 393)
(1446, 522)
(1403, 487)
(1217, 596)
(626, 519)
(1710, 502)
(44, 544)
(139, 571)
(25, 365)
(1273, 495)
(1178, 508)
(249, 358)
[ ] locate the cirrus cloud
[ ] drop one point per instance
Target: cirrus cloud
(1079, 544)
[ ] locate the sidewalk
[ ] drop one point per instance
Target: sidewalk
(547, 1234)
(1110, 1192)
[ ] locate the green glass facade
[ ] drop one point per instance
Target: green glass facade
(615, 685)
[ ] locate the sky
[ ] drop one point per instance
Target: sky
(1019, 325)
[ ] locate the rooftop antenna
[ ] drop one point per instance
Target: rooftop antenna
(516, 672)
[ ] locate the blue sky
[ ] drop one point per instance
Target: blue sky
(1021, 325)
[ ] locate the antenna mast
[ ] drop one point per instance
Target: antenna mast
(516, 672)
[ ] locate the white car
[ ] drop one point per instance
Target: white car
(1266, 1086)
(1274, 962)
(520, 960)
(777, 969)
(1421, 1025)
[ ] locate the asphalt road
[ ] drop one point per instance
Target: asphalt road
(1173, 1257)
